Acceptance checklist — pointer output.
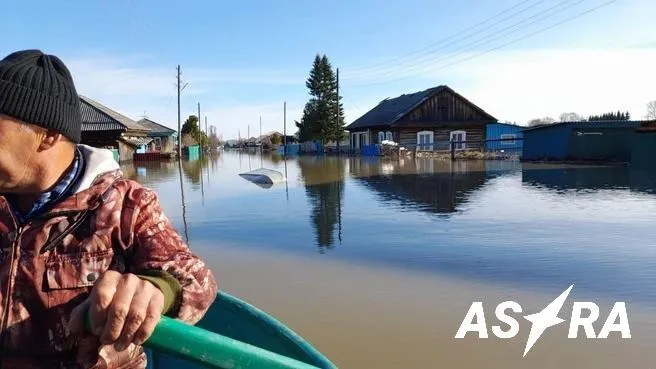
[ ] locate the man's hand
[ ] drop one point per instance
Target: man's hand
(124, 309)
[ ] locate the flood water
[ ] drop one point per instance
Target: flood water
(377, 261)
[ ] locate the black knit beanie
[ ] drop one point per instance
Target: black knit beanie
(38, 89)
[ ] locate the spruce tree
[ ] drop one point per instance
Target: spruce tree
(319, 121)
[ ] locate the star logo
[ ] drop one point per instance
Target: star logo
(546, 318)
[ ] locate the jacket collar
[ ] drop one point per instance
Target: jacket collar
(100, 173)
(98, 163)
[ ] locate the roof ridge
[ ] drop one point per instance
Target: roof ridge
(113, 114)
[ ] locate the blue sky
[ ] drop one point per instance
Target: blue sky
(244, 59)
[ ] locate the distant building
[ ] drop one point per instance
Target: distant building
(427, 120)
(106, 128)
(164, 138)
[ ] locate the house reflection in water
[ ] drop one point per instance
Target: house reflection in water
(324, 186)
(425, 184)
(435, 186)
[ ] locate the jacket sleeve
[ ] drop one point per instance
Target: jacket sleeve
(155, 246)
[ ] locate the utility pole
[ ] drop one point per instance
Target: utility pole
(179, 128)
(339, 134)
(284, 129)
(261, 146)
(180, 88)
(207, 134)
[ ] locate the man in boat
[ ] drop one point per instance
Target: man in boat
(77, 238)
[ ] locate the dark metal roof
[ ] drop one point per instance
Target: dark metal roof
(94, 120)
(590, 124)
(97, 127)
(155, 128)
(389, 111)
(98, 113)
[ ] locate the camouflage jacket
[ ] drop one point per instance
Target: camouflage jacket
(49, 265)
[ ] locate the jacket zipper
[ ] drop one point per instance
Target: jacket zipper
(5, 314)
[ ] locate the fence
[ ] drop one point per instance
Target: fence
(483, 149)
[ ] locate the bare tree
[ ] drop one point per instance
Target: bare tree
(541, 121)
(651, 110)
(188, 140)
(571, 117)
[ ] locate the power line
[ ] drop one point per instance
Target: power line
(396, 59)
(477, 43)
(578, 15)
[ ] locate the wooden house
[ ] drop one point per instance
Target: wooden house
(425, 120)
(106, 128)
(164, 138)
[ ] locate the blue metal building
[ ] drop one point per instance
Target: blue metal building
(494, 132)
(580, 141)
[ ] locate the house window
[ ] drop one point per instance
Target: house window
(359, 140)
(425, 140)
(457, 138)
(362, 140)
(381, 137)
(388, 136)
(507, 137)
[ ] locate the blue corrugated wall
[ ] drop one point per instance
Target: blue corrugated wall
(495, 130)
(546, 144)
(606, 141)
(644, 151)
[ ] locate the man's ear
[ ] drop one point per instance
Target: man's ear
(49, 139)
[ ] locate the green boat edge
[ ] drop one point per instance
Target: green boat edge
(279, 339)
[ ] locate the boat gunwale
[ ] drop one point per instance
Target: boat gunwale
(278, 328)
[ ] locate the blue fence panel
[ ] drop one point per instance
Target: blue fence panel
(370, 150)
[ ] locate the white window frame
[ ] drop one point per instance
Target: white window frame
(381, 136)
(431, 134)
(506, 136)
(357, 139)
(461, 145)
(389, 136)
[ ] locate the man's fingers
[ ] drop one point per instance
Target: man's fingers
(136, 315)
(153, 315)
(100, 299)
(77, 323)
(119, 308)
(124, 309)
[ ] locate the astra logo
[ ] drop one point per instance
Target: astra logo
(617, 320)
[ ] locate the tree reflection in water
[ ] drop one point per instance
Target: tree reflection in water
(324, 177)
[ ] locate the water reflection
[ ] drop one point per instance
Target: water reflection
(564, 179)
(193, 171)
(151, 172)
(435, 186)
(184, 206)
(323, 178)
(542, 226)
